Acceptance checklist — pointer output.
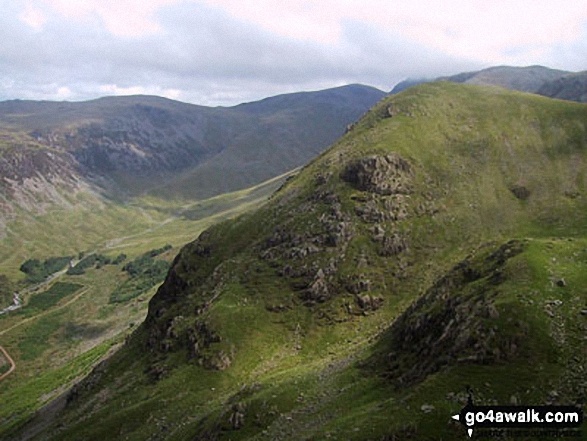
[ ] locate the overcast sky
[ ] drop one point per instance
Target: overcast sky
(223, 52)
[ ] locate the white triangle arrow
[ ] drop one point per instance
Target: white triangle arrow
(456, 417)
(470, 432)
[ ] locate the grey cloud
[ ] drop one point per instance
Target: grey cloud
(206, 54)
(570, 56)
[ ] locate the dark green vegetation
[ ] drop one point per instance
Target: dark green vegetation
(36, 341)
(91, 261)
(440, 244)
(37, 271)
(50, 297)
(68, 166)
(48, 354)
(144, 272)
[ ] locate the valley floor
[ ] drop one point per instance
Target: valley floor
(55, 342)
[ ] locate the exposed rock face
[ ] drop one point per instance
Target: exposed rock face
(393, 245)
(136, 135)
(312, 255)
(367, 302)
(384, 175)
(200, 337)
(237, 417)
(307, 248)
(168, 293)
(35, 179)
(219, 361)
(382, 208)
(358, 286)
(445, 327)
(318, 289)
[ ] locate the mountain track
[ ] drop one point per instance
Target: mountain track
(10, 360)
(29, 319)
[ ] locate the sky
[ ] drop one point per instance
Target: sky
(224, 52)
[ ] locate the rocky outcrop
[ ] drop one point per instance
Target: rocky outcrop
(34, 179)
(392, 245)
(200, 337)
(318, 289)
(384, 175)
(237, 417)
(445, 327)
(369, 303)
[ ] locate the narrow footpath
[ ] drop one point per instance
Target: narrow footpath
(10, 360)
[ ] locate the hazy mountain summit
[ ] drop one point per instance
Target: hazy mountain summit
(524, 79)
(534, 79)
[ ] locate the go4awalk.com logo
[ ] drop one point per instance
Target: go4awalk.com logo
(543, 418)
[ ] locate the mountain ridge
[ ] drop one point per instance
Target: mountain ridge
(448, 215)
(553, 83)
(119, 147)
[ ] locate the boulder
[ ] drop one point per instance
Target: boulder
(237, 417)
(369, 303)
(318, 289)
(520, 192)
(393, 245)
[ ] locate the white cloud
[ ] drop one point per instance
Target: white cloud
(33, 17)
(123, 18)
(226, 51)
(64, 93)
(113, 89)
(476, 29)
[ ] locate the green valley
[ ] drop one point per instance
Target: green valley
(66, 326)
(438, 247)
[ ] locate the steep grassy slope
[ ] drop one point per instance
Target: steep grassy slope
(66, 326)
(440, 244)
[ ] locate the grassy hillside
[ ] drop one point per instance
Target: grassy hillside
(141, 224)
(438, 245)
(67, 325)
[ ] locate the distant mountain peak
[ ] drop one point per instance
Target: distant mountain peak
(533, 79)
